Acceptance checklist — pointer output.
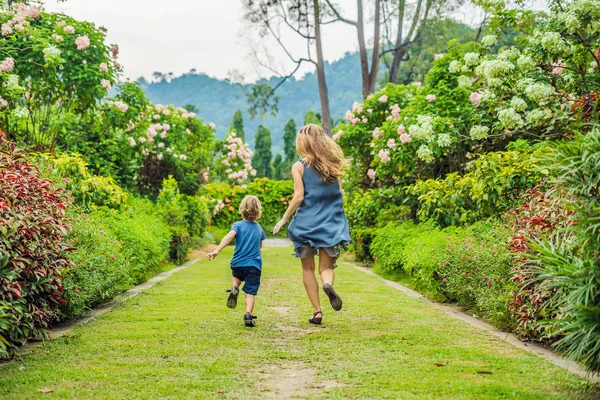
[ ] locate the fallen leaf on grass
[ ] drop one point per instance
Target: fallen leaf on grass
(485, 372)
(45, 390)
(440, 364)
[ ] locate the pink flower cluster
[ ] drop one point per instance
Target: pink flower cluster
(3, 103)
(430, 97)
(371, 174)
(384, 155)
(395, 109)
(69, 29)
(82, 42)
(405, 138)
(239, 157)
(351, 118)
(558, 68)
(357, 107)
(19, 21)
(212, 126)
(376, 133)
(218, 207)
(475, 98)
(7, 65)
(103, 67)
(383, 99)
(337, 135)
(119, 105)
(106, 84)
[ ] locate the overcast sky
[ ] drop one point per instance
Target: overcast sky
(208, 35)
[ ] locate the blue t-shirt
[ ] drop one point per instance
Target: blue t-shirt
(248, 236)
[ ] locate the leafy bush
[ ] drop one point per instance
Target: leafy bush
(361, 244)
(375, 208)
(225, 200)
(32, 249)
(86, 189)
(567, 264)
(115, 249)
(492, 186)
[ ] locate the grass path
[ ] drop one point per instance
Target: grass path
(178, 340)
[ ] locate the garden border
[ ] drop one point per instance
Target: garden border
(64, 329)
(457, 313)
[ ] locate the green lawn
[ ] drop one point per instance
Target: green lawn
(178, 340)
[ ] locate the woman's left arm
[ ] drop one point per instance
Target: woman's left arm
(297, 170)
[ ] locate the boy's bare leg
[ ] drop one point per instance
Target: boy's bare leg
(310, 282)
(235, 282)
(249, 303)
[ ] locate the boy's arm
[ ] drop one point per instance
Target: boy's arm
(224, 243)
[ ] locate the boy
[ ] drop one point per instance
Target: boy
(246, 264)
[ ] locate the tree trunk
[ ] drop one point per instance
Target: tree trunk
(375, 56)
(399, 51)
(362, 49)
(325, 115)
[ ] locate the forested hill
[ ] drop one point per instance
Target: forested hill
(217, 100)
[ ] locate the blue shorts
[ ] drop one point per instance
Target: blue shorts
(250, 276)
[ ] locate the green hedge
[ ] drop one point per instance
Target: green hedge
(471, 266)
(115, 250)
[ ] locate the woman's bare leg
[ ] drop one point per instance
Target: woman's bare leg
(326, 267)
(310, 282)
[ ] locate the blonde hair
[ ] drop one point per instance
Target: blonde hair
(320, 151)
(250, 208)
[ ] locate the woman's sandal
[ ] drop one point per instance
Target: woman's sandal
(315, 320)
(334, 298)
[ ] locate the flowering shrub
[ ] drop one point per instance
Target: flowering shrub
(53, 64)
(32, 249)
(235, 162)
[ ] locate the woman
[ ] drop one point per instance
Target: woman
(319, 226)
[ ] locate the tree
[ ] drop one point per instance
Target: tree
(289, 142)
(278, 167)
(261, 161)
(311, 118)
(369, 78)
(191, 108)
(304, 18)
(405, 39)
(237, 124)
(261, 99)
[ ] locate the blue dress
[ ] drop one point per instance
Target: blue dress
(320, 221)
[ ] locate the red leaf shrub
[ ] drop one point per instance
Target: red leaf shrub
(32, 249)
(540, 216)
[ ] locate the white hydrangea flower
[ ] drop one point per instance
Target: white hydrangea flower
(479, 132)
(518, 104)
(464, 81)
(454, 67)
(510, 119)
(489, 40)
(495, 82)
(538, 91)
(471, 59)
(535, 116)
(425, 154)
(51, 54)
(570, 20)
(444, 140)
(526, 62)
(495, 68)
(423, 130)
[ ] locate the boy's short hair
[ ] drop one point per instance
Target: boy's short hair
(250, 208)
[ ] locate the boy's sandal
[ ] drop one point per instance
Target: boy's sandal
(249, 319)
(232, 299)
(315, 320)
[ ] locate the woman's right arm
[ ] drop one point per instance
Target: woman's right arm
(297, 172)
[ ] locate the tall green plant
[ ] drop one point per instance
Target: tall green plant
(261, 161)
(568, 264)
